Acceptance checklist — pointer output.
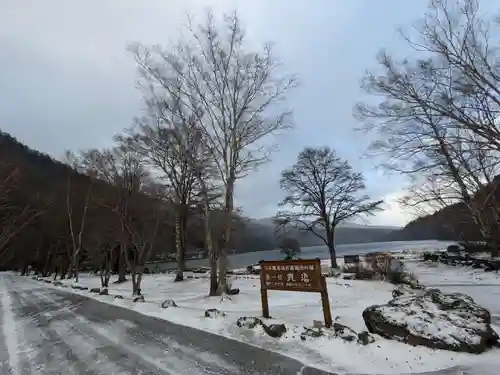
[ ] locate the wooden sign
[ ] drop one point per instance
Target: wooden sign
(295, 276)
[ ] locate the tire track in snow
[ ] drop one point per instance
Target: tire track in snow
(50, 353)
(89, 351)
(9, 330)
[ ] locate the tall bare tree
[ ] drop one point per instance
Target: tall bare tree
(322, 190)
(233, 94)
(76, 219)
(168, 145)
(437, 120)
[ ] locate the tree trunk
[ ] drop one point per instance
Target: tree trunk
(213, 274)
(210, 247)
(75, 265)
(106, 269)
(121, 265)
(330, 234)
(136, 280)
(180, 248)
(47, 264)
(222, 256)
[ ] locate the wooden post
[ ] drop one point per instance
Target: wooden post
(325, 302)
(265, 304)
(263, 294)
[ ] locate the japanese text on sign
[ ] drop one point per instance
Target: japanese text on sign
(301, 275)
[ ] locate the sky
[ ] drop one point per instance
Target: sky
(67, 82)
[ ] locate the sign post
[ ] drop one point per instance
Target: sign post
(294, 276)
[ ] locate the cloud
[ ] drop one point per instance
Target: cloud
(393, 213)
(67, 82)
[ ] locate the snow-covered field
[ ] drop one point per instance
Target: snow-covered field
(348, 299)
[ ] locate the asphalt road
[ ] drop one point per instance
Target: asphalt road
(46, 331)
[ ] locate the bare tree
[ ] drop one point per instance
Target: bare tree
(15, 215)
(168, 145)
(231, 93)
(141, 223)
(322, 191)
(122, 167)
(101, 239)
(437, 121)
(76, 222)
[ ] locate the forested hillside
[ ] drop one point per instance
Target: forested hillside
(454, 222)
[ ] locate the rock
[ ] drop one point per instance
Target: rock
(275, 330)
(431, 257)
(57, 283)
(200, 270)
(168, 303)
(364, 338)
(104, 292)
(344, 332)
(254, 269)
(233, 292)
(95, 290)
(214, 313)
(118, 297)
(318, 324)
(312, 333)
(47, 281)
(138, 299)
(350, 276)
(249, 322)
(335, 272)
(435, 320)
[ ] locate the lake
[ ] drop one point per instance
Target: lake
(245, 259)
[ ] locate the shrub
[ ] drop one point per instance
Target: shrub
(290, 247)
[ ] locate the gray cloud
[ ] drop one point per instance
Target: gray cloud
(67, 82)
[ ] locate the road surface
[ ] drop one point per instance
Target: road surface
(46, 331)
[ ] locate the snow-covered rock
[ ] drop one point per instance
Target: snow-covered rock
(214, 313)
(365, 338)
(249, 322)
(434, 319)
(168, 303)
(344, 332)
(403, 291)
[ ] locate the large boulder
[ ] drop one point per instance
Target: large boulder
(434, 319)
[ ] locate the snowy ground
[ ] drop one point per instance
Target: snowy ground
(296, 310)
(484, 287)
